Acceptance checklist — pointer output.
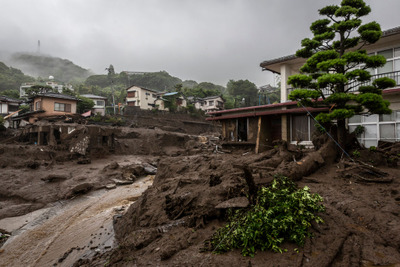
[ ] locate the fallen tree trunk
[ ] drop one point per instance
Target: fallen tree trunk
(312, 162)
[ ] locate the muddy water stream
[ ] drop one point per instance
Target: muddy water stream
(69, 230)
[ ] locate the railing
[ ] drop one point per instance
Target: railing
(395, 75)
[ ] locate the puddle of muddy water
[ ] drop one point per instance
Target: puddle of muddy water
(69, 230)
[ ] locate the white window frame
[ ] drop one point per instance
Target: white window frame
(307, 143)
(377, 124)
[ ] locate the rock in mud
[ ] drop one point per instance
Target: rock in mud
(54, 178)
(111, 186)
(79, 189)
(238, 202)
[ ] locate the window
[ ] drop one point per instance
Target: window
(99, 102)
(3, 109)
(62, 107)
(38, 105)
(302, 128)
(131, 94)
(392, 61)
(211, 103)
(385, 127)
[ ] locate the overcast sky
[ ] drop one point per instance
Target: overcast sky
(201, 40)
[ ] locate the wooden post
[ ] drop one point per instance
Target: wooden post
(258, 135)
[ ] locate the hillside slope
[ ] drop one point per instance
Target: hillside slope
(38, 65)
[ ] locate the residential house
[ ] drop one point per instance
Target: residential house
(8, 105)
(207, 104)
(141, 97)
(51, 104)
(166, 100)
(9, 108)
(260, 125)
(212, 103)
(197, 102)
(99, 103)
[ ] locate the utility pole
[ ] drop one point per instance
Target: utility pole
(113, 98)
(112, 87)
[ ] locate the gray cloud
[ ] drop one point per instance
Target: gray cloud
(209, 40)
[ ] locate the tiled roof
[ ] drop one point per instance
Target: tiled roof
(56, 95)
(9, 99)
(94, 96)
(151, 90)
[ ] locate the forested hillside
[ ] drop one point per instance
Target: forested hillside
(38, 65)
(11, 78)
(239, 93)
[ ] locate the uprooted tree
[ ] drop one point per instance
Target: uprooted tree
(336, 74)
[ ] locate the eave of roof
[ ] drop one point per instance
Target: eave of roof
(291, 103)
(144, 88)
(264, 64)
(56, 95)
(27, 114)
(270, 112)
(9, 99)
(93, 96)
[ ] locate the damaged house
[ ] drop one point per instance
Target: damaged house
(260, 125)
(51, 122)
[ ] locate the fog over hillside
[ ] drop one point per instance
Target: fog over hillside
(206, 40)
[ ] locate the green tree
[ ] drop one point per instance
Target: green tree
(337, 64)
(11, 93)
(84, 104)
(38, 89)
(11, 78)
(243, 91)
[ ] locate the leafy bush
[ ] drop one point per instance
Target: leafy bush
(115, 121)
(282, 212)
(356, 153)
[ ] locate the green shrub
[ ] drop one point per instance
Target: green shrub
(282, 213)
(359, 130)
(372, 148)
(356, 153)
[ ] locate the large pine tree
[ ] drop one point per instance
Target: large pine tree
(337, 65)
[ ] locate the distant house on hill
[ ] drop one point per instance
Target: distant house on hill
(99, 103)
(141, 97)
(172, 99)
(55, 86)
(213, 103)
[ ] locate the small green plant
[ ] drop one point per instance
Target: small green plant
(372, 148)
(320, 128)
(356, 153)
(96, 118)
(282, 212)
(359, 130)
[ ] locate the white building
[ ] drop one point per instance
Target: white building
(57, 88)
(212, 103)
(376, 127)
(99, 103)
(141, 97)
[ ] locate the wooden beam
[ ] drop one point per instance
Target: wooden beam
(258, 135)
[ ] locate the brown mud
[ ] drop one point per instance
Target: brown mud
(168, 225)
(195, 183)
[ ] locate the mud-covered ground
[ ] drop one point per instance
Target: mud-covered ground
(196, 183)
(168, 225)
